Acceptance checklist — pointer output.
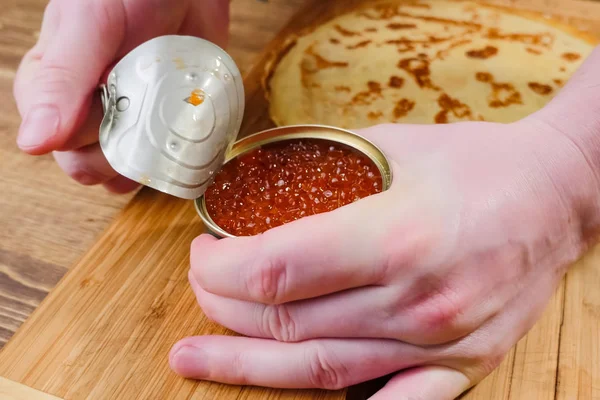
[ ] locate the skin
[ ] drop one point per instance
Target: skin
(434, 280)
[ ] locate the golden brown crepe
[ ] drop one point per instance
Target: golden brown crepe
(431, 61)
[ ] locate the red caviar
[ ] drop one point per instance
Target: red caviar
(284, 181)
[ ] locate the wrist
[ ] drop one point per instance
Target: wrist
(569, 137)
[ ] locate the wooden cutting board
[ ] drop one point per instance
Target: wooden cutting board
(106, 329)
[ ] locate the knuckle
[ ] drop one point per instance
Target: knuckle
(55, 79)
(325, 371)
(279, 324)
(441, 316)
(239, 369)
(267, 281)
(480, 355)
(490, 363)
(487, 356)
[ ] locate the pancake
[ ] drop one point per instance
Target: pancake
(425, 62)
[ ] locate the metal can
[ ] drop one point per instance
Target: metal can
(173, 107)
(285, 133)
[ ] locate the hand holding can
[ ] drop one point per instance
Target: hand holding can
(433, 280)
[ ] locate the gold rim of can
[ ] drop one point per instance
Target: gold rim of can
(284, 133)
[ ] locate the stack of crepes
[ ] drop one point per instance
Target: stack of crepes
(429, 61)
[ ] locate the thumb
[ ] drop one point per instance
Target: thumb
(56, 80)
(425, 383)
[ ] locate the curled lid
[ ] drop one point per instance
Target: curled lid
(173, 107)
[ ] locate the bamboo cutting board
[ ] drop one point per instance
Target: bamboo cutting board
(106, 329)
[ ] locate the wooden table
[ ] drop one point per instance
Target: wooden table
(50, 221)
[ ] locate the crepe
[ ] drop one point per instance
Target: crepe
(431, 61)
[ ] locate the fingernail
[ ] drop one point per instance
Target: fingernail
(39, 125)
(190, 362)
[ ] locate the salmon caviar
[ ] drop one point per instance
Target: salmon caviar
(196, 98)
(284, 181)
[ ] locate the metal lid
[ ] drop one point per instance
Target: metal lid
(173, 107)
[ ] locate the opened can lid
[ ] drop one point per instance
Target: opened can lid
(172, 109)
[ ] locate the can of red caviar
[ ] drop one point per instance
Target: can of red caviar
(172, 108)
(172, 111)
(282, 174)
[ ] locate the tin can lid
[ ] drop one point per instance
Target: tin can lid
(172, 109)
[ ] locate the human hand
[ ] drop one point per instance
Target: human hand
(79, 42)
(437, 278)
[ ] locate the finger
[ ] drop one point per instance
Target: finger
(208, 19)
(30, 62)
(297, 321)
(121, 185)
(424, 383)
(370, 312)
(310, 257)
(88, 132)
(86, 165)
(326, 364)
(54, 94)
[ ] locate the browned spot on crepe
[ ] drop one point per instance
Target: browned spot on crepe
(396, 82)
(384, 11)
(322, 62)
(486, 52)
(367, 96)
(371, 29)
(405, 47)
(398, 26)
(402, 45)
(441, 54)
(334, 41)
(542, 39)
(540, 88)
(441, 20)
(388, 11)
(345, 32)
(503, 94)
(342, 89)
(405, 44)
(359, 44)
(403, 107)
(314, 63)
(559, 82)
(450, 105)
(419, 69)
(420, 5)
(533, 51)
(374, 114)
(484, 77)
(571, 56)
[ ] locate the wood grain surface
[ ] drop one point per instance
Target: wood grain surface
(10, 390)
(105, 330)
